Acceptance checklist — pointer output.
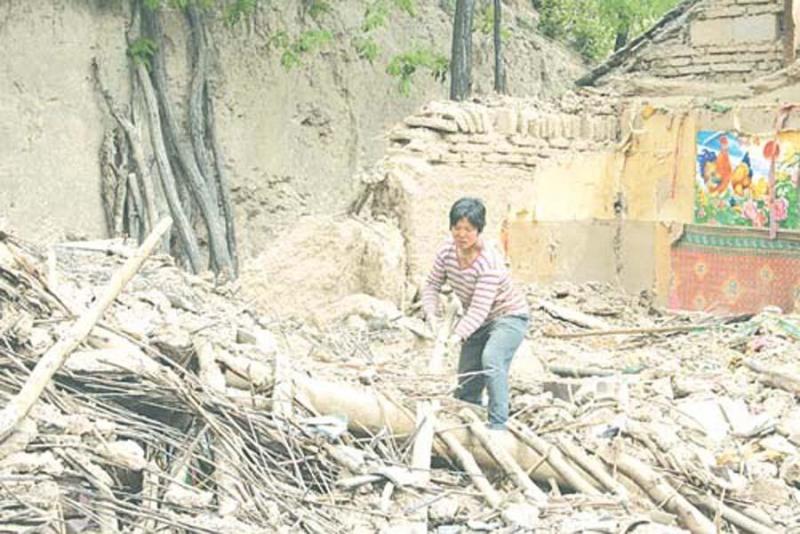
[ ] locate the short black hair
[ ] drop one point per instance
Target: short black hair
(470, 208)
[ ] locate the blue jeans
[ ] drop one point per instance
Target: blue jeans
(485, 359)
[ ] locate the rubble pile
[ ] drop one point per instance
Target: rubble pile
(185, 409)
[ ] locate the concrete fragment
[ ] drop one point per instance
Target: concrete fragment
(125, 453)
(742, 422)
(521, 515)
(264, 339)
(708, 414)
(443, 510)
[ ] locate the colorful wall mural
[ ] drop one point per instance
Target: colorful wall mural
(732, 181)
(729, 269)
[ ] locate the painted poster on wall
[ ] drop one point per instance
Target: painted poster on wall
(732, 182)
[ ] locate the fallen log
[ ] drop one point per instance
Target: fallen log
(472, 469)
(503, 459)
(592, 466)
(734, 517)
(553, 456)
(369, 411)
(659, 490)
(52, 360)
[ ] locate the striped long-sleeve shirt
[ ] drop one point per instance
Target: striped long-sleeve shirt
(484, 288)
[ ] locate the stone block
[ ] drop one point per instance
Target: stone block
(674, 61)
(526, 150)
(432, 123)
(731, 67)
(532, 161)
(463, 123)
(560, 143)
(759, 9)
(553, 126)
(726, 31)
(691, 70)
(505, 120)
(535, 127)
(503, 147)
(407, 134)
(524, 140)
(483, 139)
(471, 158)
(722, 12)
(456, 138)
(612, 125)
(471, 148)
(504, 158)
(599, 129)
(587, 127)
(579, 390)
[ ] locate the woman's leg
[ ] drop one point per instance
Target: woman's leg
(505, 336)
(471, 378)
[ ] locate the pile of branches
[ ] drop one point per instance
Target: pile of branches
(125, 437)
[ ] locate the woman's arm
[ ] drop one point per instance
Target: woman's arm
(433, 285)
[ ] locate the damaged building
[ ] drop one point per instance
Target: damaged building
(672, 171)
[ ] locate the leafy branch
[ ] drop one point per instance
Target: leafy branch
(404, 66)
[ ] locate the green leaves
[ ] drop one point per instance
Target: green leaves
(366, 47)
(308, 41)
(237, 10)
(484, 22)
(404, 66)
(592, 26)
(378, 11)
(142, 51)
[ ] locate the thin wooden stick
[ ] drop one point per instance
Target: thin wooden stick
(555, 458)
(592, 466)
(617, 331)
(659, 490)
(504, 459)
(470, 466)
(52, 360)
(734, 517)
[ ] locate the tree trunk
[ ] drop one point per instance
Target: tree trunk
(499, 67)
(197, 182)
(461, 53)
(224, 187)
(185, 231)
(137, 151)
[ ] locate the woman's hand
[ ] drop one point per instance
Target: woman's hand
(454, 342)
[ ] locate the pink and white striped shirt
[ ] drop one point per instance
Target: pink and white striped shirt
(484, 288)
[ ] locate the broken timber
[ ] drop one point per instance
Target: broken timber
(52, 360)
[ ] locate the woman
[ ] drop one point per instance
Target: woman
(496, 316)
